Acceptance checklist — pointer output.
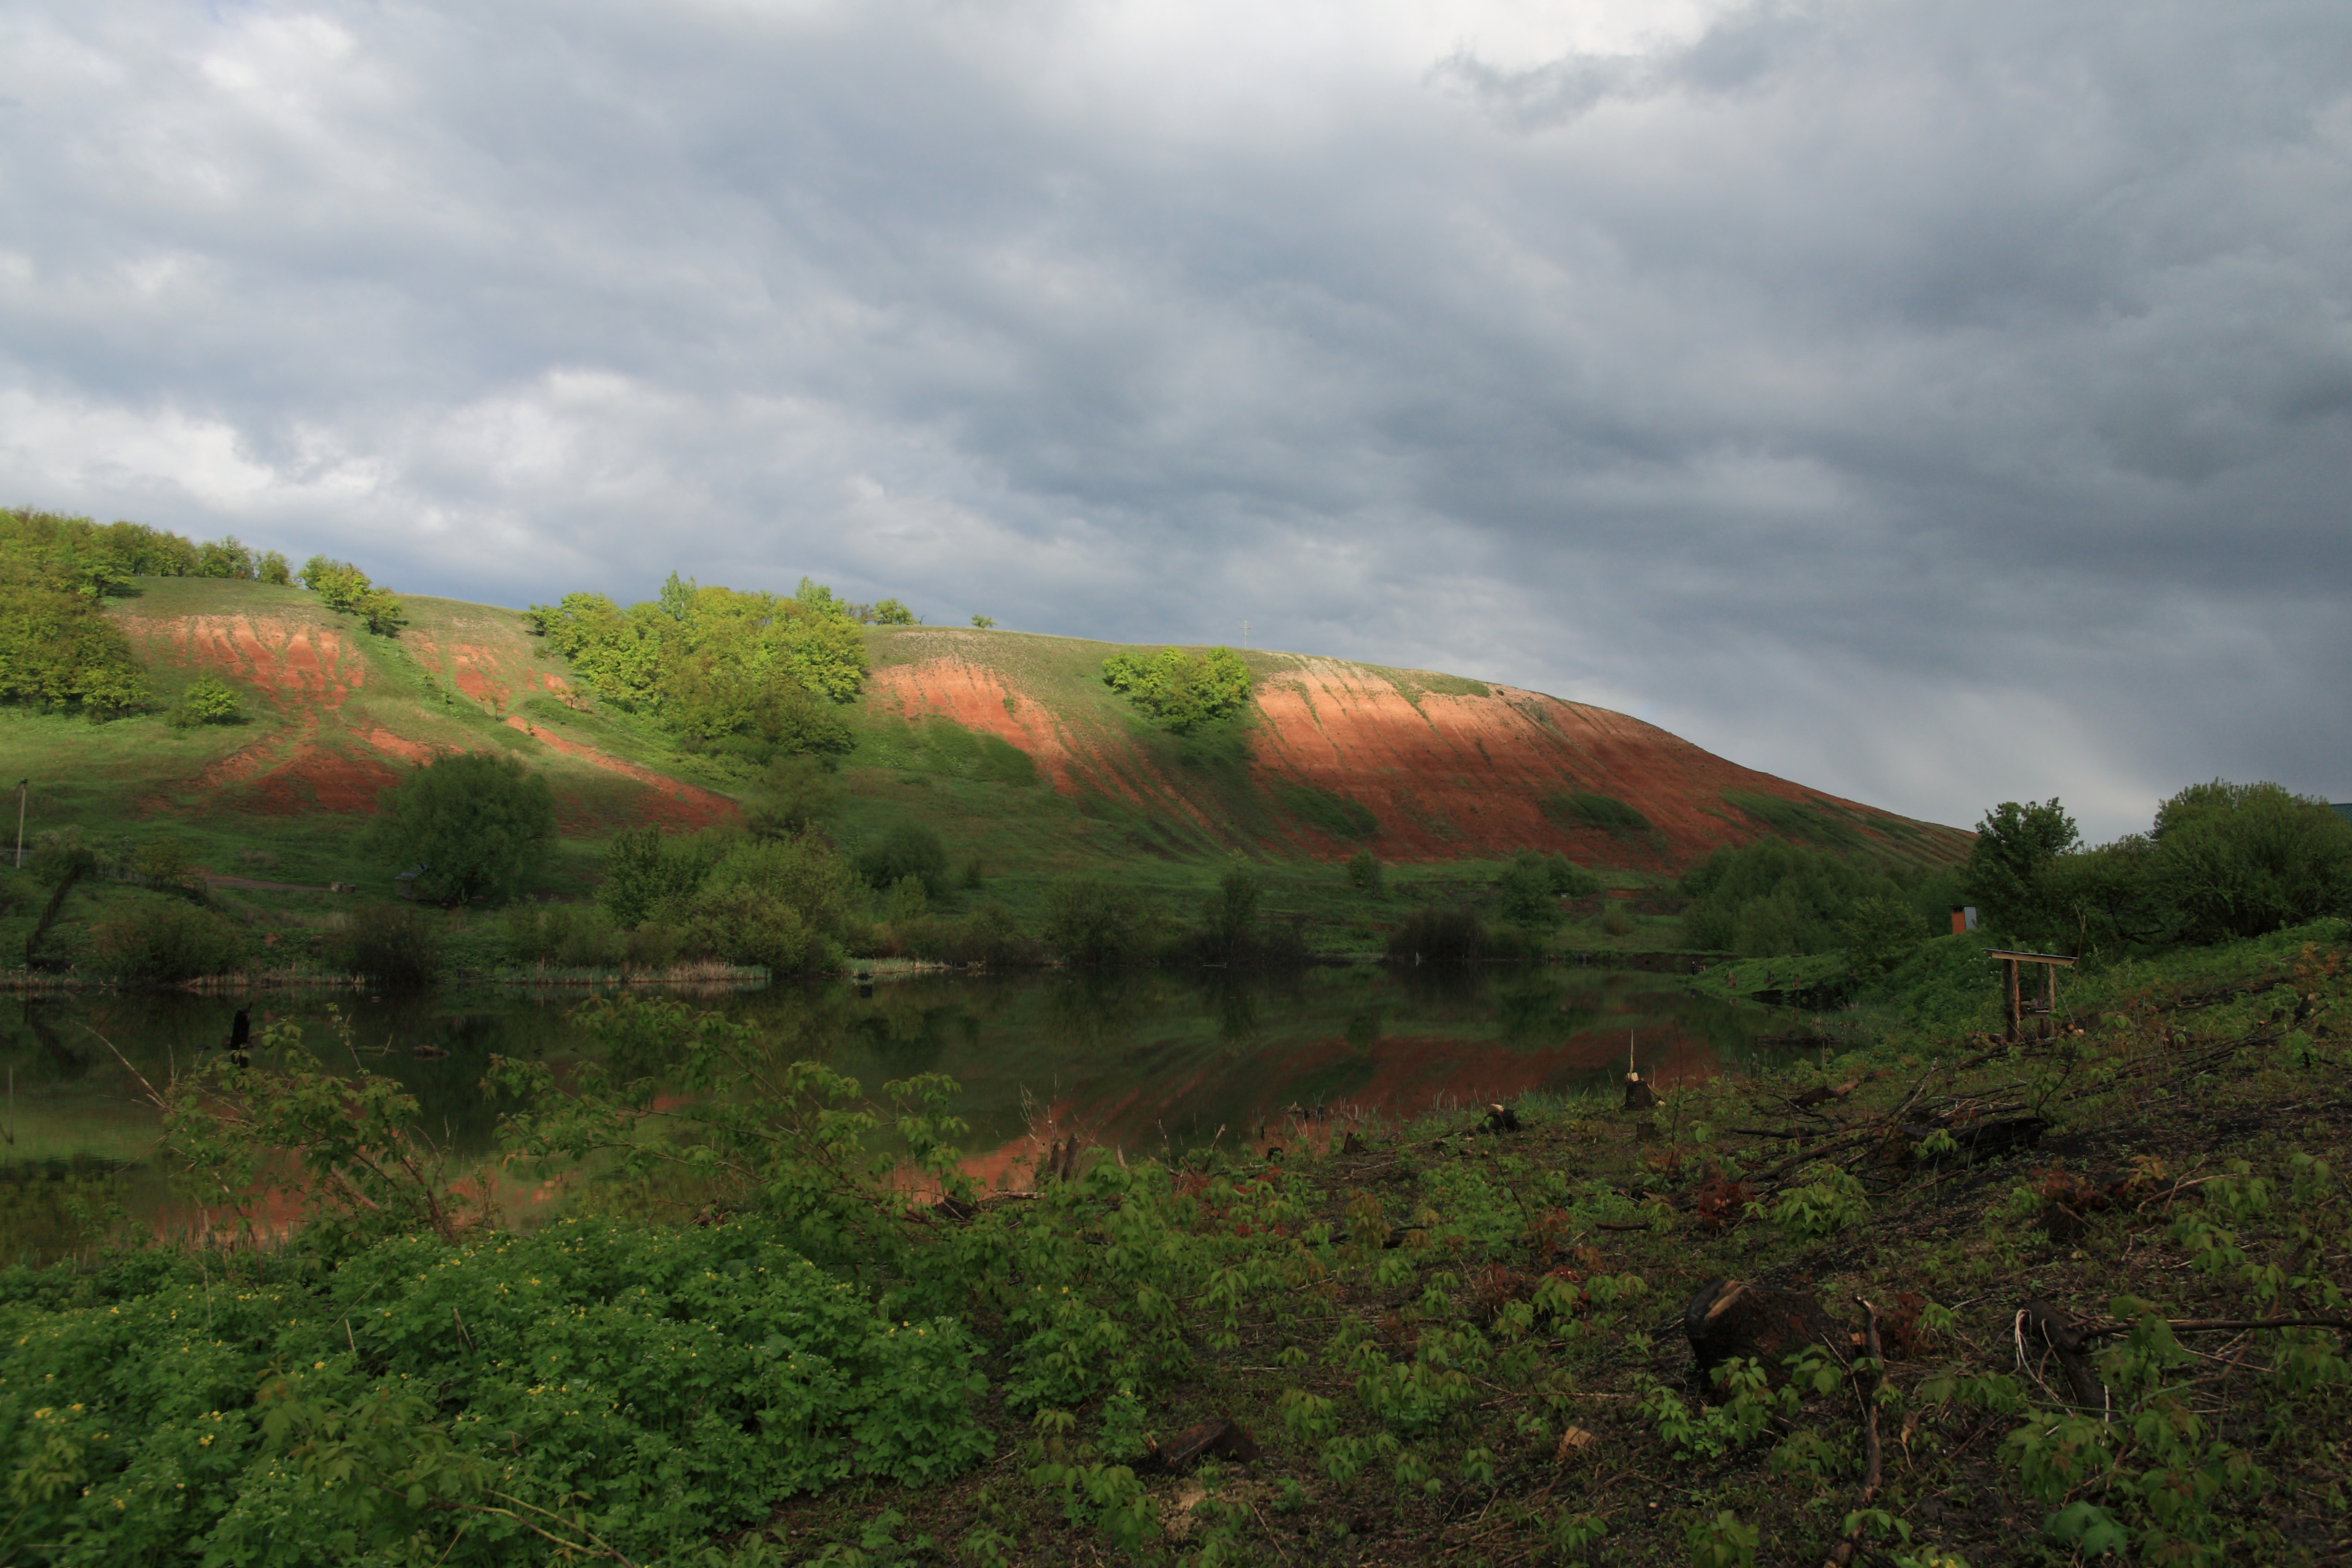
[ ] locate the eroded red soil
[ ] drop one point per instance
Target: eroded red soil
(293, 663)
(1445, 777)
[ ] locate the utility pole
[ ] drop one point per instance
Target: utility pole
(1246, 629)
(23, 789)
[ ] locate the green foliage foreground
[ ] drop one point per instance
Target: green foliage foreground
(1450, 1344)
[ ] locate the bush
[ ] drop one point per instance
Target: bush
(568, 936)
(1437, 935)
(344, 588)
(2242, 860)
(911, 851)
(990, 936)
(167, 941)
(1090, 922)
(801, 793)
(208, 700)
(693, 1377)
(1364, 873)
(646, 870)
(1773, 898)
(479, 825)
(397, 947)
(1523, 892)
(1181, 690)
(1229, 918)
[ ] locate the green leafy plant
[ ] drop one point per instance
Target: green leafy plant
(1180, 689)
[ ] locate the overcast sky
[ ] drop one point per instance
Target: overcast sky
(1934, 403)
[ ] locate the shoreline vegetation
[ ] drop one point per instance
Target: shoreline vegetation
(1771, 1318)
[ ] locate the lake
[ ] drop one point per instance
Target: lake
(1149, 1061)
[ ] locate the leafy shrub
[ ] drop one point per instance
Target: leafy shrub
(1772, 899)
(1830, 1200)
(909, 850)
(479, 824)
(647, 870)
(1229, 916)
(167, 942)
(989, 936)
(345, 589)
(1364, 873)
(395, 946)
(566, 935)
(905, 901)
(801, 793)
(1435, 935)
(2242, 860)
(1530, 886)
(1089, 921)
(1179, 688)
(755, 674)
(1880, 932)
(687, 1379)
(207, 700)
(59, 649)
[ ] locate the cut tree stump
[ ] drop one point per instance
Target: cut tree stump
(1729, 1320)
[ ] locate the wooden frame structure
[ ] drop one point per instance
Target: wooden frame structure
(2014, 1008)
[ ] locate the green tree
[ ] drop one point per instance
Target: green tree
(983, 622)
(224, 558)
(2240, 860)
(1229, 915)
(1524, 894)
(1180, 689)
(207, 700)
(1091, 922)
(909, 850)
(272, 569)
(344, 588)
(1881, 933)
(1364, 873)
(2010, 864)
(479, 825)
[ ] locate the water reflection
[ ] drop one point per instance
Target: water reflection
(1155, 1060)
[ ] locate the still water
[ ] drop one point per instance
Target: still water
(1146, 1061)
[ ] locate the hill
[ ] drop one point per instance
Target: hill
(1332, 755)
(1007, 745)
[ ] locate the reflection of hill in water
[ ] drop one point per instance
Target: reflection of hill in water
(1146, 1059)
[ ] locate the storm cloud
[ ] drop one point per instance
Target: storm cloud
(1936, 405)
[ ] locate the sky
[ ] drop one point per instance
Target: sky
(1936, 405)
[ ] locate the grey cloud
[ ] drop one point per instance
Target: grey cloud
(1933, 407)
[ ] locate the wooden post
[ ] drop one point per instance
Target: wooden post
(2049, 999)
(2009, 966)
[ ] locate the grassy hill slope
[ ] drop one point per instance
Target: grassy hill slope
(1008, 745)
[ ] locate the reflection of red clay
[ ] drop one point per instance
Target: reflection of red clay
(1411, 1077)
